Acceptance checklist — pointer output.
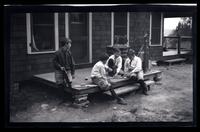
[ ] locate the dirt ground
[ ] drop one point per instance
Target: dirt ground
(170, 100)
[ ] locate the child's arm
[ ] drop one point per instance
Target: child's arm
(73, 67)
(56, 63)
(119, 65)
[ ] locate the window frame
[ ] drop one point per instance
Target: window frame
(161, 31)
(56, 33)
(112, 27)
(90, 32)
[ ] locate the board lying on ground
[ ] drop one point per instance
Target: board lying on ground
(80, 90)
(172, 61)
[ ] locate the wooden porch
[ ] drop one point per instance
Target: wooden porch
(82, 85)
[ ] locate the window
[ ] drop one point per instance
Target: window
(78, 27)
(79, 33)
(156, 29)
(120, 27)
(42, 32)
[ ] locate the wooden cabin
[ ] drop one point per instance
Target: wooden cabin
(33, 34)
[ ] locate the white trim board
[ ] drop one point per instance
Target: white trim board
(112, 28)
(90, 37)
(67, 25)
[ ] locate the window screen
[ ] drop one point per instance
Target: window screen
(120, 27)
(156, 29)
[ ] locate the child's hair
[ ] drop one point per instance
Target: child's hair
(131, 52)
(64, 41)
(116, 50)
(103, 57)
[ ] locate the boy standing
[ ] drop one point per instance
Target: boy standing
(64, 65)
(98, 76)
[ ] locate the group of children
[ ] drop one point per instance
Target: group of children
(106, 67)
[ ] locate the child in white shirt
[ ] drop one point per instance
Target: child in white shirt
(115, 63)
(133, 69)
(99, 77)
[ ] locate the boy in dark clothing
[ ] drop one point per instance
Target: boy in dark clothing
(64, 64)
(112, 65)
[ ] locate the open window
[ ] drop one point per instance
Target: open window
(42, 34)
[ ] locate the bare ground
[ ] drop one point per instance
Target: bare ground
(170, 100)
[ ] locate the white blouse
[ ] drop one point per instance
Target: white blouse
(136, 64)
(98, 70)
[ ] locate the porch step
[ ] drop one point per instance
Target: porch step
(130, 88)
(170, 61)
(123, 90)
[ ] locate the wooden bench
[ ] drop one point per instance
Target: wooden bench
(80, 91)
(175, 60)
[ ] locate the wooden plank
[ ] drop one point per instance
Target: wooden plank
(149, 82)
(129, 88)
(176, 60)
(123, 90)
(152, 74)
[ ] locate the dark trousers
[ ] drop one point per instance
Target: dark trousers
(114, 93)
(141, 82)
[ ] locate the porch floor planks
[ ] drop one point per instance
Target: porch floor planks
(82, 86)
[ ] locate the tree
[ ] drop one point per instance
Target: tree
(184, 27)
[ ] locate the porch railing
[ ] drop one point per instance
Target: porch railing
(180, 43)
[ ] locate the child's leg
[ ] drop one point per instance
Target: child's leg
(114, 93)
(140, 77)
(69, 75)
(119, 100)
(104, 84)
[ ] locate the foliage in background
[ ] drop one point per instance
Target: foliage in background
(184, 28)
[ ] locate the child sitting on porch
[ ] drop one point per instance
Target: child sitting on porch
(114, 62)
(133, 70)
(98, 76)
(64, 65)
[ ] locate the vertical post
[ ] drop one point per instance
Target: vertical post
(179, 44)
(56, 31)
(112, 28)
(146, 53)
(90, 37)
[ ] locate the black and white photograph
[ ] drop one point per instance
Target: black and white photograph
(101, 63)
